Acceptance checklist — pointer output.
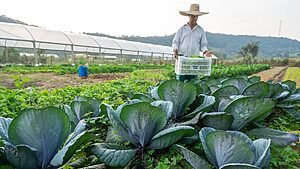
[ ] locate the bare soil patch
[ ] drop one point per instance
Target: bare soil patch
(50, 81)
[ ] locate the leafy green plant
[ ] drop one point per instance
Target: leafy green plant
(39, 138)
(284, 157)
(166, 159)
(249, 111)
(82, 108)
(229, 149)
(20, 81)
(284, 94)
(143, 126)
(93, 112)
(184, 111)
(241, 103)
(69, 69)
(246, 110)
(221, 71)
(287, 96)
(114, 92)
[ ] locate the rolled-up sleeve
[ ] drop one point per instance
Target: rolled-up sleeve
(203, 42)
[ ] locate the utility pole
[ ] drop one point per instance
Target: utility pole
(279, 31)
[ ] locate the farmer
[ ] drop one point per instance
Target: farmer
(83, 71)
(190, 39)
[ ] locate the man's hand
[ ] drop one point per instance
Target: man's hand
(175, 51)
(208, 53)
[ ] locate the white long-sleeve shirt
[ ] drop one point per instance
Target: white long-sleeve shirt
(190, 41)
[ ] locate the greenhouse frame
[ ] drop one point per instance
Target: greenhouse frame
(30, 37)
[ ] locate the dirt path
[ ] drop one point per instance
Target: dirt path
(50, 81)
(275, 74)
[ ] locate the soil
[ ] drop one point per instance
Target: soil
(50, 81)
(275, 74)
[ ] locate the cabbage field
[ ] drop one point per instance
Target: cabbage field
(150, 120)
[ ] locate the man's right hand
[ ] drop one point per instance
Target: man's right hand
(175, 51)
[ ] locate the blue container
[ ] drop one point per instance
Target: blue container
(83, 71)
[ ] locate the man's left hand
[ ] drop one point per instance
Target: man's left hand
(208, 53)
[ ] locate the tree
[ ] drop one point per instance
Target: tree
(220, 55)
(251, 49)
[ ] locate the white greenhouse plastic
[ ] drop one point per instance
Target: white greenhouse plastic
(22, 36)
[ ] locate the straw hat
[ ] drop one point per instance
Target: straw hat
(194, 10)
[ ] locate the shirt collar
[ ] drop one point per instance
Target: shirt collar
(187, 25)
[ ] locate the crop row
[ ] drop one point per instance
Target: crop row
(69, 69)
(12, 101)
(217, 70)
(221, 116)
(234, 70)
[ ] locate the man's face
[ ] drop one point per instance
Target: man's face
(193, 19)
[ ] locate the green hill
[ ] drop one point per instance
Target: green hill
(269, 46)
(4, 18)
(230, 45)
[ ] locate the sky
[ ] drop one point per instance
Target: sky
(158, 17)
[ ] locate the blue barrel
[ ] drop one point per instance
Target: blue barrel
(83, 71)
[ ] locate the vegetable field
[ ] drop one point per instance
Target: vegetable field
(69, 69)
(150, 120)
(293, 73)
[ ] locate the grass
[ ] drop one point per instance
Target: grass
(285, 157)
(293, 73)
